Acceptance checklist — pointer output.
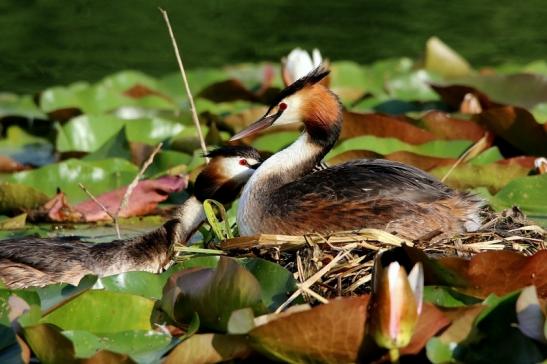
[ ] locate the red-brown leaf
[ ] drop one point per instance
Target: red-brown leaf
(501, 272)
(143, 200)
(430, 322)
(330, 333)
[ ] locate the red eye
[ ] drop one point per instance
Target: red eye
(282, 106)
(243, 162)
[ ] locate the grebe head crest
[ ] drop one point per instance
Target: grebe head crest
(228, 170)
(289, 106)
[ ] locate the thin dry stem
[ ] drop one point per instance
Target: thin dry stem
(186, 86)
(113, 217)
(477, 147)
(131, 187)
(310, 281)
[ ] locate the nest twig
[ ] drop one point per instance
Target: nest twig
(340, 264)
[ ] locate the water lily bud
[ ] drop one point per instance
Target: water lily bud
(396, 304)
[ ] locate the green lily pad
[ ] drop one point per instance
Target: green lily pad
(488, 156)
(134, 342)
(103, 312)
(526, 192)
(97, 176)
(442, 296)
(494, 176)
(21, 106)
(14, 197)
(144, 284)
(88, 133)
(276, 282)
(26, 148)
(435, 148)
(108, 94)
(272, 142)
(212, 293)
(523, 89)
(115, 147)
(443, 60)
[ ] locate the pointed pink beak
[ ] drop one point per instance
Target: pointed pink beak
(262, 123)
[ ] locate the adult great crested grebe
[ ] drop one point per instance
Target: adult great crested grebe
(42, 261)
(283, 197)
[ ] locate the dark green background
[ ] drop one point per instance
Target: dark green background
(46, 42)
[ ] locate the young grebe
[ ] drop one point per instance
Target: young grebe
(283, 197)
(41, 261)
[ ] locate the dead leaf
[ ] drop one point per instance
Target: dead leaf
(462, 323)
(443, 126)
(517, 126)
(226, 91)
(386, 126)
(144, 199)
(8, 165)
(329, 333)
(500, 272)
(209, 348)
(431, 321)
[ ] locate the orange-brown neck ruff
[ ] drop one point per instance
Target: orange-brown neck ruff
(322, 115)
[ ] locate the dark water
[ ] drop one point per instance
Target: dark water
(46, 42)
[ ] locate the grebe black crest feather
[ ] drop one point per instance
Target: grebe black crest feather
(234, 151)
(311, 78)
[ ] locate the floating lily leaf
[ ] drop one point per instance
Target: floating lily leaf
(21, 106)
(209, 348)
(8, 165)
(430, 322)
(18, 197)
(112, 312)
(51, 347)
(98, 176)
(133, 343)
(144, 199)
(55, 295)
(25, 148)
(434, 148)
(212, 293)
(518, 127)
(88, 133)
(525, 89)
(443, 60)
(144, 284)
(442, 296)
(500, 272)
(276, 283)
(379, 72)
(272, 142)
(16, 222)
(384, 126)
(445, 126)
(168, 162)
(322, 334)
(414, 86)
(488, 156)
(106, 95)
(115, 147)
(526, 192)
(494, 176)
(540, 112)
(198, 79)
(497, 339)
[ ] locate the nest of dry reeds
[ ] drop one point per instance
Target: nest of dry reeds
(341, 263)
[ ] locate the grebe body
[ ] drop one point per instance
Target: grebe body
(284, 197)
(40, 261)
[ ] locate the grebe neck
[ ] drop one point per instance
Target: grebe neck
(285, 166)
(190, 215)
